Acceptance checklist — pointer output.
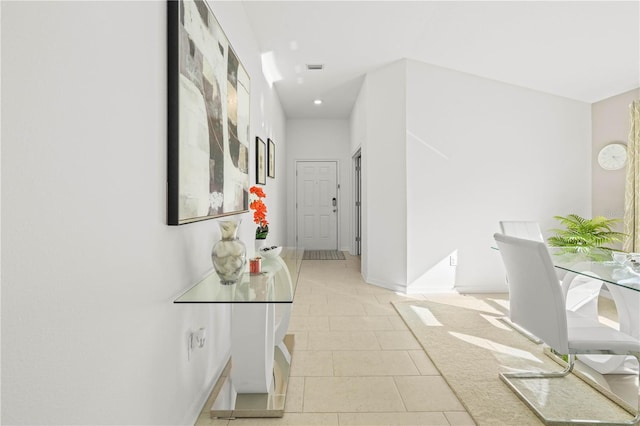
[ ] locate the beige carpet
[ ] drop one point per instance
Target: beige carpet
(323, 255)
(469, 345)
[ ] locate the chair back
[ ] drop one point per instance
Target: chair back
(536, 302)
(522, 229)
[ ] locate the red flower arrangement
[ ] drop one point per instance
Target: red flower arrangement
(259, 212)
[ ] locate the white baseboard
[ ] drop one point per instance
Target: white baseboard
(392, 287)
(432, 290)
(483, 289)
(191, 417)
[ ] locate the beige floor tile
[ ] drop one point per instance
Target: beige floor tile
(312, 363)
(302, 290)
(205, 420)
(295, 395)
(380, 309)
(352, 299)
(336, 309)
(298, 309)
(396, 340)
(351, 394)
(373, 363)
(423, 363)
(372, 289)
(427, 393)
(308, 323)
(397, 323)
(389, 419)
(394, 297)
(328, 291)
(300, 339)
(459, 418)
(292, 419)
(345, 323)
(310, 299)
(342, 340)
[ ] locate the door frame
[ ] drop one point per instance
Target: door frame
(356, 197)
(338, 193)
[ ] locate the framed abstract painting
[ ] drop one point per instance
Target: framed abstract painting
(208, 118)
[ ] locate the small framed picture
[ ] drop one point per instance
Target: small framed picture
(261, 158)
(271, 159)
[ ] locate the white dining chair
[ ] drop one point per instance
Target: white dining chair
(522, 229)
(581, 292)
(537, 304)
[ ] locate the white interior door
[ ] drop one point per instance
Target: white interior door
(317, 205)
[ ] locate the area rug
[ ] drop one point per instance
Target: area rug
(469, 345)
(323, 255)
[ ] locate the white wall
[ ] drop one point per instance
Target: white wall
(610, 123)
(357, 137)
(460, 153)
(357, 121)
(384, 227)
(490, 151)
(321, 139)
(89, 266)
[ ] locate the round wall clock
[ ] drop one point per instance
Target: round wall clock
(613, 156)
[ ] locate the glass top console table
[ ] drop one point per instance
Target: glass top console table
(275, 284)
(260, 349)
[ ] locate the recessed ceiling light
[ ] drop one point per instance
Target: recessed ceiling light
(317, 101)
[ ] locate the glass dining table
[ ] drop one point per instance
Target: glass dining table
(619, 273)
(618, 269)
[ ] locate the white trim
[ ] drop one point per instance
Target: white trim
(354, 190)
(193, 413)
(433, 291)
(393, 287)
(498, 288)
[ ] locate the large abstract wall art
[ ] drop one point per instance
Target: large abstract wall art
(208, 118)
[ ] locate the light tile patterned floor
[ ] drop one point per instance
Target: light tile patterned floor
(355, 362)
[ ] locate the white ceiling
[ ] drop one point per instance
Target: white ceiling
(584, 50)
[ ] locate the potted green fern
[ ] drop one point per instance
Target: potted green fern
(581, 235)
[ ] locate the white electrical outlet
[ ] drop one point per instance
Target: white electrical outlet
(196, 339)
(453, 260)
(200, 337)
